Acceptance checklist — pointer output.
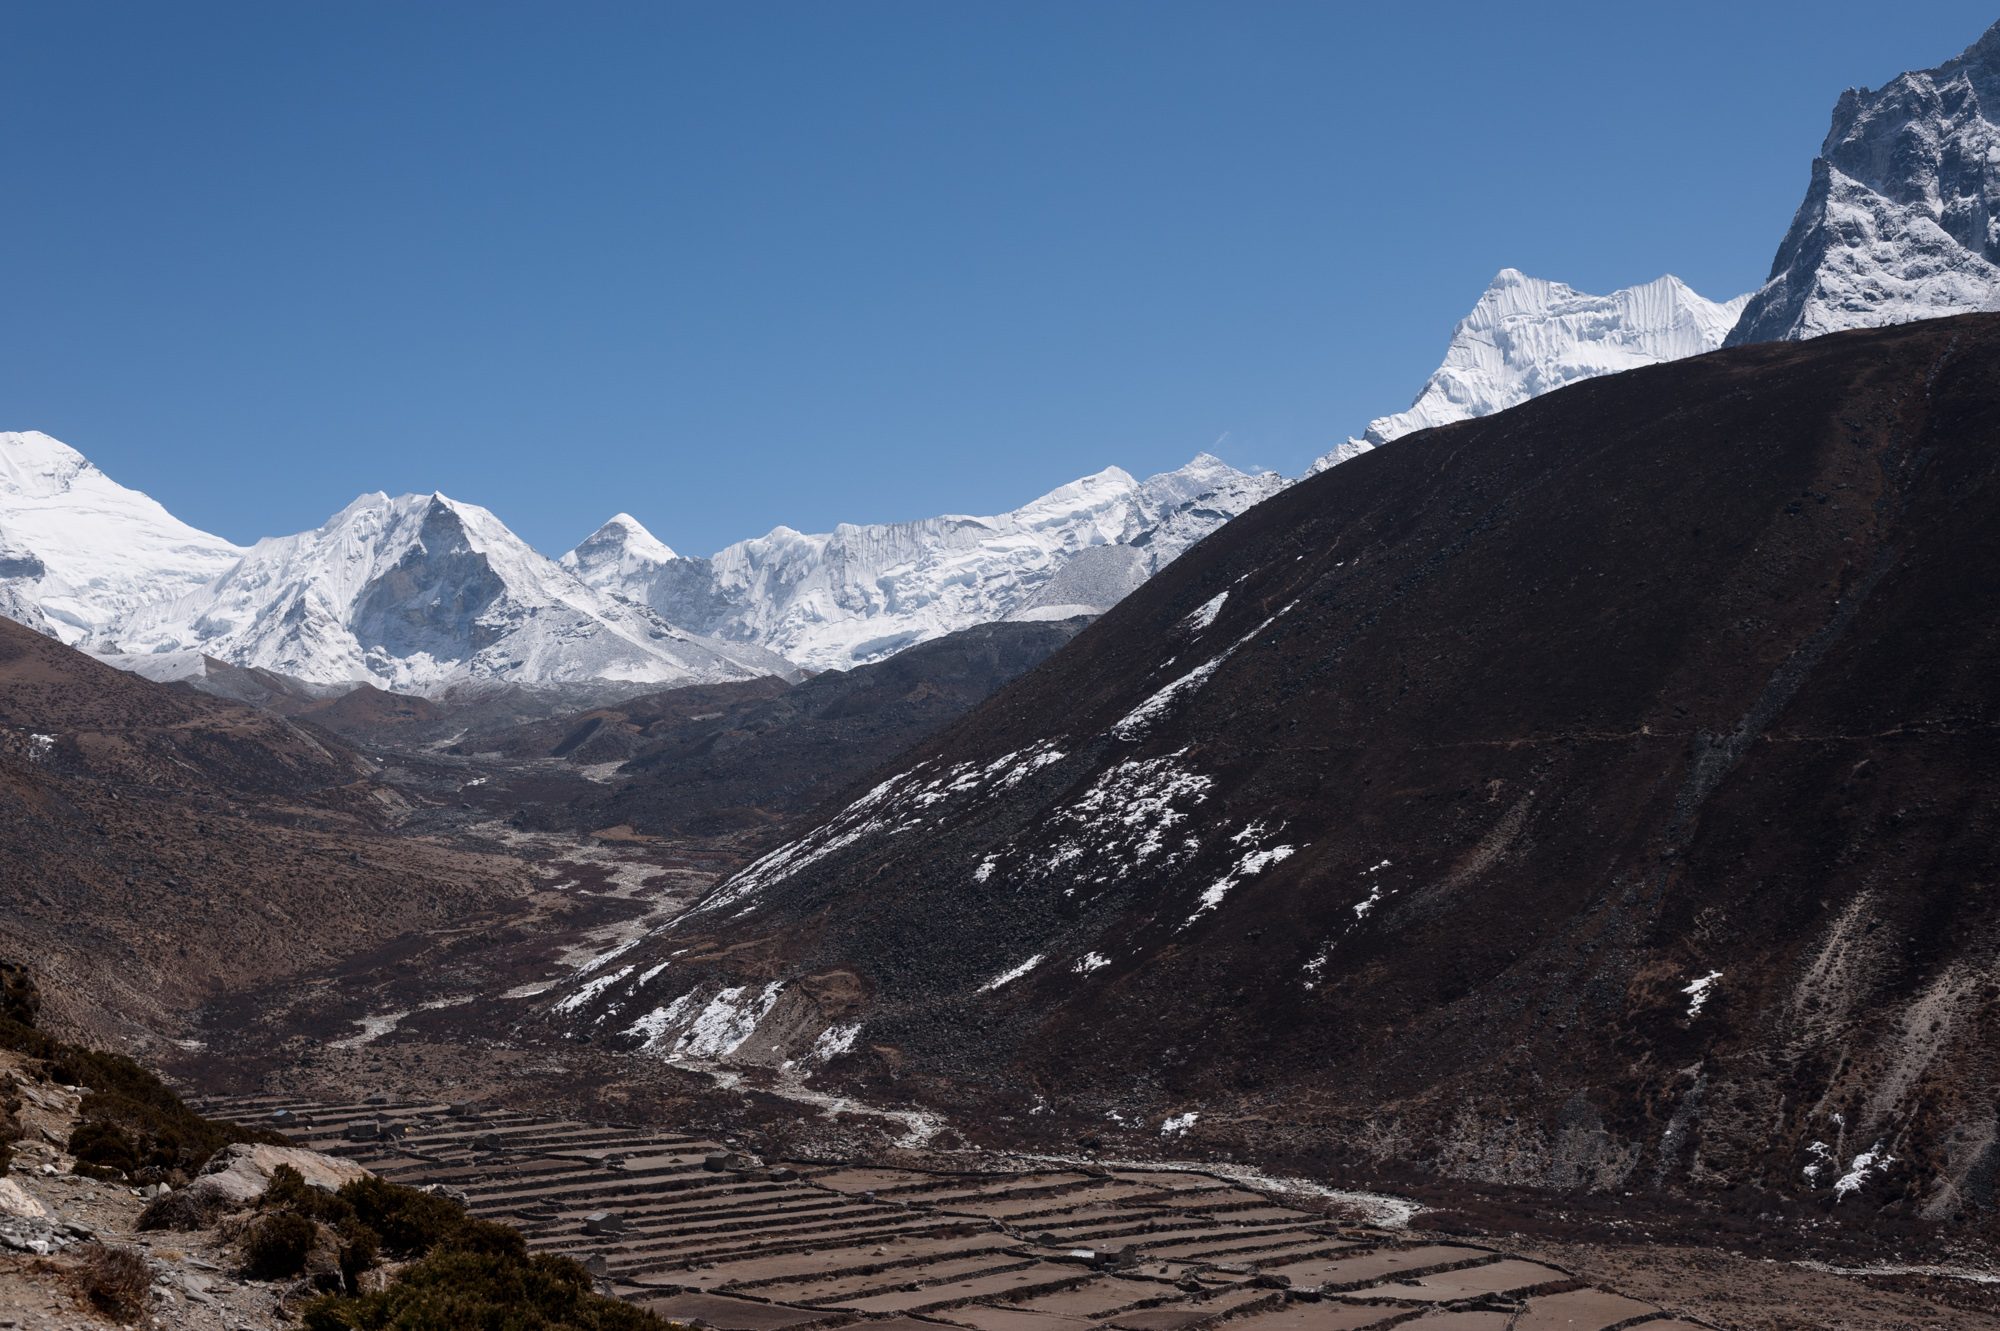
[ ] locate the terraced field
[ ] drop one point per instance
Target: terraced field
(701, 1233)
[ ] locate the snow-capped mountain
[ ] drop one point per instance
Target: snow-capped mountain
(420, 593)
(1902, 218)
(15, 602)
(621, 551)
(860, 593)
(1528, 336)
(78, 550)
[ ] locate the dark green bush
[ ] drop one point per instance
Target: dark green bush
(360, 1250)
(487, 1239)
(276, 1245)
(11, 1130)
(289, 1191)
(163, 1135)
(131, 1122)
(102, 1149)
(461, 1288)
(409, 1222)
(20, 1000)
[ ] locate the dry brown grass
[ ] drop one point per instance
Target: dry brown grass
(115, 1280)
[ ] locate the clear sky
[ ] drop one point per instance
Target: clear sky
(726, 266)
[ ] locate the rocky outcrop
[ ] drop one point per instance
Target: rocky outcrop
(1899, 221)
(240, 1174)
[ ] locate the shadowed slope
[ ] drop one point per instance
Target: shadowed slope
(1597, 794)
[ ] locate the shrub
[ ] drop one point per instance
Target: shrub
(20, 1000)
(162, 1134)
(11, 1130)
(131, 1122)
(102, 1149)
(487, 1239)
(409, 1222)
(276, 1245)
(360, 1250)
(116, 1280)
(456, 1287)
(183, 1208)
(289, 1191)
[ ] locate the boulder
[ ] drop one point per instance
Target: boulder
(239, 1174)
(16, 1201)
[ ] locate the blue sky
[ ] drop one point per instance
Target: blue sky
(726, 266)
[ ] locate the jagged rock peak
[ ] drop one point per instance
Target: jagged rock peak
(1898, 221)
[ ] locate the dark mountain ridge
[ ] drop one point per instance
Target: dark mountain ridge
(780, 755)
(1598, 795)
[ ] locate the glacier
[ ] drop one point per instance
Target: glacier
(424, 593)
(1899, 218)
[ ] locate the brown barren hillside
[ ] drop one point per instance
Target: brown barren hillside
(1602, 794)
(158, 846)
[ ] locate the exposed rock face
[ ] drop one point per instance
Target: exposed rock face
(860, 593)
(1589, 795)
(1899, 220)
(17, 1203)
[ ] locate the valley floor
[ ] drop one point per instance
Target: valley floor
(456, 1015)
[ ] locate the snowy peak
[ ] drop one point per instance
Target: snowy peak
(80, 549)
(1899, 219)
(1528, 336)
(861, 592)
(617, 553)
(421, 593)
(35, 465)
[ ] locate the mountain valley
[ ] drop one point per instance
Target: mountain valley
(1537, 868)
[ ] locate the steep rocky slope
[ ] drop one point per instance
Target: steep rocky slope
(1898, 222)
(1600, 794)
(158, 846)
